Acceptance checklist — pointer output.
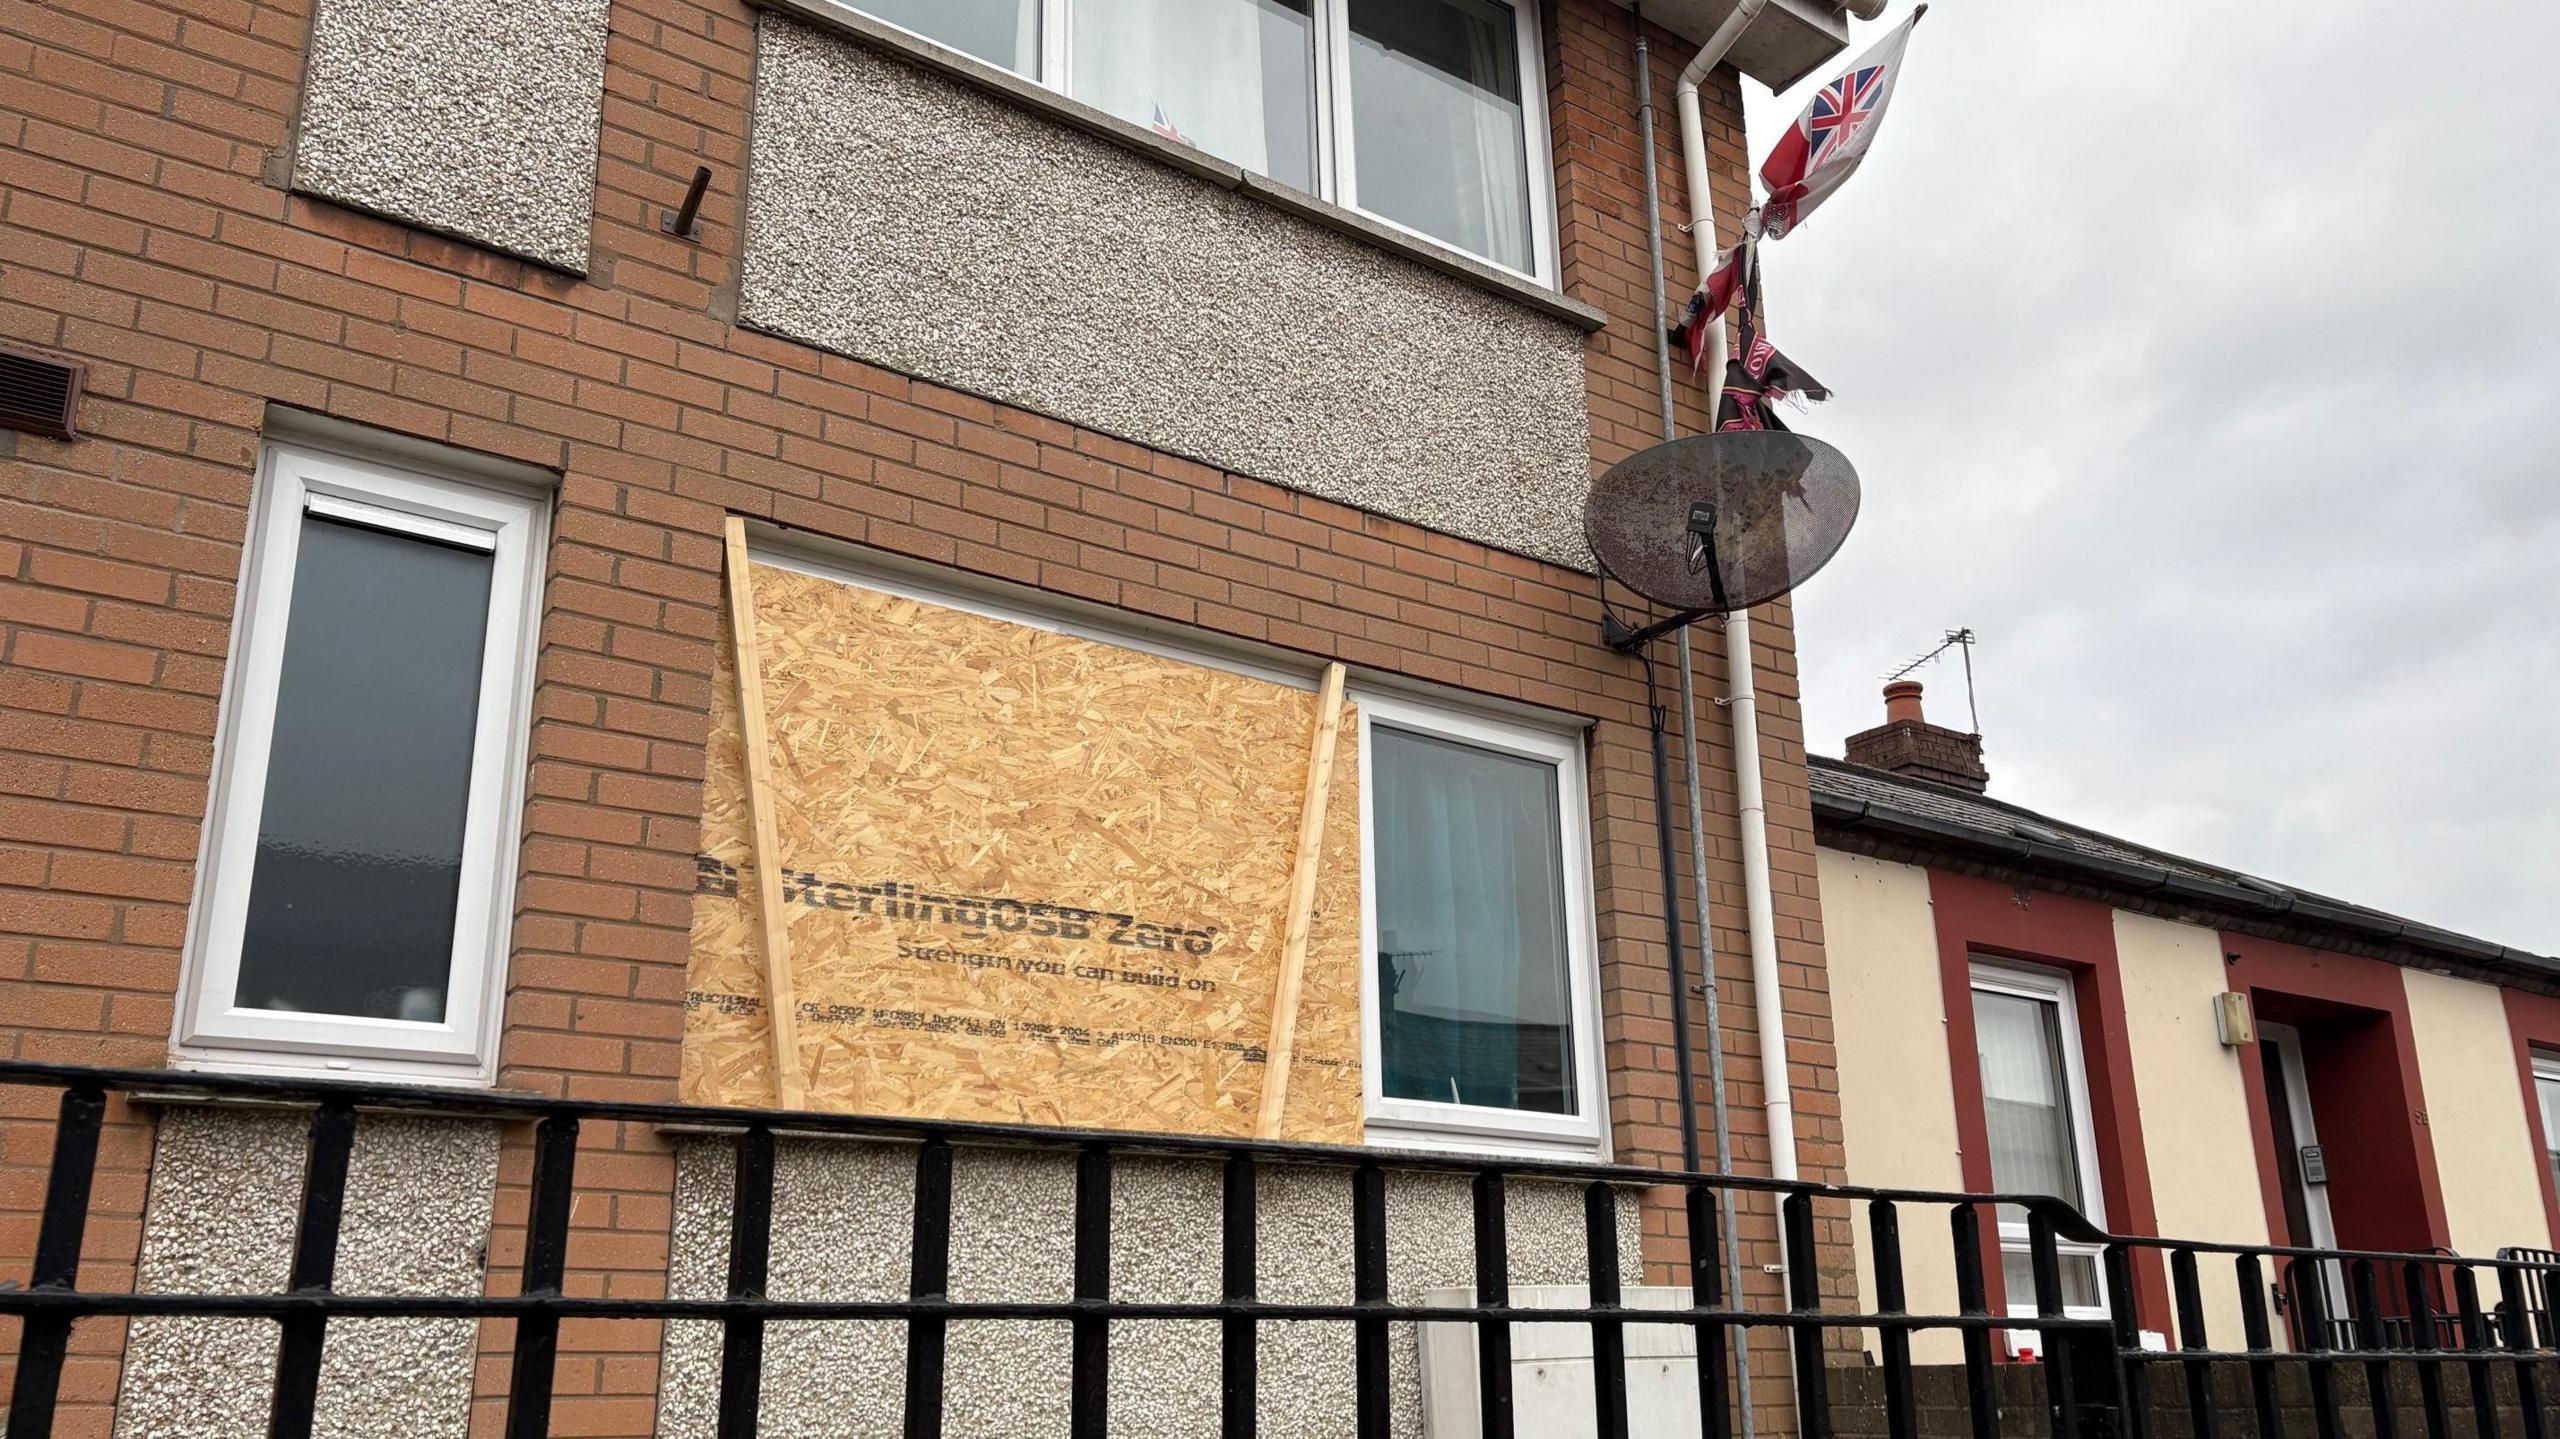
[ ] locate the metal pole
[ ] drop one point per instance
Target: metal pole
(1689, 740)
(1669, 843)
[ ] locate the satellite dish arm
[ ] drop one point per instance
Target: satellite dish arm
(1702, 554)
(1615, 634)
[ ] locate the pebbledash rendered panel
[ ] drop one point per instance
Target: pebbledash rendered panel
(1029, 877)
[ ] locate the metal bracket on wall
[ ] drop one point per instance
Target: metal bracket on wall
(686, 222)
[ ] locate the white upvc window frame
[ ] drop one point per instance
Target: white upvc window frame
(2055, 987)
(1399, 1124)
(1335, 167)
(507, 520)
(2546, 1070)
(1411, 1123)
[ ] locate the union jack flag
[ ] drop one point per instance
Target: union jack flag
(1819, 152)
(1164, 127)
(1843, 106)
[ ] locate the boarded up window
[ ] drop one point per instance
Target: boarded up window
(1029, 877)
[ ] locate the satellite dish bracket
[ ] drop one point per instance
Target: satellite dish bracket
(1616, 635)
(1702, 556)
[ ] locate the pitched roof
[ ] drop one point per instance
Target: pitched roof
(1850, 798)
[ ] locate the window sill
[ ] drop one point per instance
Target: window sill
(1408, 1138)
(1030, 95)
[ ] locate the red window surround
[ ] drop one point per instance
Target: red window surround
(1977, 916)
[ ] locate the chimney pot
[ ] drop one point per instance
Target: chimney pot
(1902, 703)
(1907, 744)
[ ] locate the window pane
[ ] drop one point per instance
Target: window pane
(2026, 1098)
(2018, 1276)
(1233, 77)
(2547, 1089)
(1439, 132)
(1474, 1002)
(359, 863)
(1000, 32)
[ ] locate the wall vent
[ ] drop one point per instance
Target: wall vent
(39, 393)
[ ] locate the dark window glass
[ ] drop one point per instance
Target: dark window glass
(1439, 132)
(359, 866)
(1475, 1006)
(1000, 32)
(1235, 78)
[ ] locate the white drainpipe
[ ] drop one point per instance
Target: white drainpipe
(1742, 696)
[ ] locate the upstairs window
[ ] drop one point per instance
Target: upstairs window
(1440, 124)
(1425, 114)
(1004, 33)
(1235, 78)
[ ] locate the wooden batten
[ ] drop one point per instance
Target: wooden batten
(1282, 1049)
(772, 927)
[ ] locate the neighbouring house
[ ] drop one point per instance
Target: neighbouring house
(2026, 1005)
(480, 474)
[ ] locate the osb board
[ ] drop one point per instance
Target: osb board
(1029, 878)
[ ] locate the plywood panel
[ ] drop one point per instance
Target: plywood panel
(1029, 877)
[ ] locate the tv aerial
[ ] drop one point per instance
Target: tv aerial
(1715, 523)
(1955, 639)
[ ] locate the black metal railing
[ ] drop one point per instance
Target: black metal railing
(2092, 1364)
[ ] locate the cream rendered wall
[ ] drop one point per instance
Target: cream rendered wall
(1897, 1099)
(2195, 1114)
(2485, 1154)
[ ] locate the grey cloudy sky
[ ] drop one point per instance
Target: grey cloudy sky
(2205, 357)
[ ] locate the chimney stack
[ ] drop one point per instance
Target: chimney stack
(1906, 744)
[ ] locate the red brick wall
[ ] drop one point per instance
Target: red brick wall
(142, 230)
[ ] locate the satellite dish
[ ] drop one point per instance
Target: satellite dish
(1721, 522)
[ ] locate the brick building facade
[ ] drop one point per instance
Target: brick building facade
(165, 221)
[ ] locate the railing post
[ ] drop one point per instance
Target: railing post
(1804, 1300)
(2193, 1340)
(2110, 1380)
(2261, 1342)
(2515, 1320)
(1239, 1336)
(2367, 1300)
(2062, 1364)
(1706, 1291)
(300, 1337)
(1901, 1406)
(2475, 1349)
(1371, 1398)
(1982, 1396)
(44, 1339)
(1493, 1291)
(546, 1266)
(1608, 1336)
(1089, 1387)
(2422, 1338)
(2317, 1341)
(929, 1280)
(750, 1251)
